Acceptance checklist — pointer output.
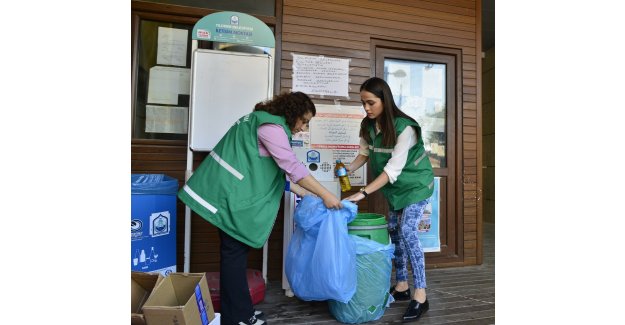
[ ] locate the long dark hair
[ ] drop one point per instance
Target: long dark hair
(380, 88)
(290, 105)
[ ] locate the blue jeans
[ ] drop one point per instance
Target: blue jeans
(402, 226)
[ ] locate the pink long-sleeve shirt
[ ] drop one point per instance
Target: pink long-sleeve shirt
(273, 141)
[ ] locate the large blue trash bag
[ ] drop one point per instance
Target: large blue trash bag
(373, 264)
(321, 258)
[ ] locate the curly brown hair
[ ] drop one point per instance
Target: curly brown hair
(290, 105)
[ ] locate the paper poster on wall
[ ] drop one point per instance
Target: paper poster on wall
(428, 229)
(166, 83)
(300, 140)
(320, 75)
(172, 46)
(337, 128)
(358, 177)
(166, 119)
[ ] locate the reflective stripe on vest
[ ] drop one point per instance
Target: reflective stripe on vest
(416, 162)
(383, 150)
(199, 200)
(227, 166)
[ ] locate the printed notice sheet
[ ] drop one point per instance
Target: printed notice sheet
(428, 228)
(319, 75)
(166, 119)
(166, 83)
(338, 128)
(172, 46)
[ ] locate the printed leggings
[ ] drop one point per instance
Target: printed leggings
(402, 226)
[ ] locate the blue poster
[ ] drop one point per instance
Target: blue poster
(429, 233)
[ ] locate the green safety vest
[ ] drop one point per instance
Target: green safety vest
(416, 180)
(235, 188)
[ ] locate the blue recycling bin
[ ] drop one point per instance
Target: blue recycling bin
(153, 223)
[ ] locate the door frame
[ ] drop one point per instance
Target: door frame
(451, 210)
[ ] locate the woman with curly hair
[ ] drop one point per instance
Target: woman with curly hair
(238, 188)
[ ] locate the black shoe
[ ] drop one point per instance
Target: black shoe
(415, 310)
(399, 295)
(253, 321)
(259, 314)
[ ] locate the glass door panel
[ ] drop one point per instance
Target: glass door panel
(419, 91)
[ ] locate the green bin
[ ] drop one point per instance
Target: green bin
(370, 226)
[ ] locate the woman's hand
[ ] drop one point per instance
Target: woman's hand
(355, 197)
(332, 202)
(312, 185)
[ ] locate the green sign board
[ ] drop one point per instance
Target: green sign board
(233, 27)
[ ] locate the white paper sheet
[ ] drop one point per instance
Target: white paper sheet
(319, 75)
(166, 119)
(172, 46)
(358, 177)
(338, 128)
(166, 83)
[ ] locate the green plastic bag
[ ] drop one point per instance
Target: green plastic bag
(373, 277)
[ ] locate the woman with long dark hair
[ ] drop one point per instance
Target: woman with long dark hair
(391, 141)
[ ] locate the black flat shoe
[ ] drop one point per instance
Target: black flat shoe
(253, 321)
(415, 310)
(399, 295)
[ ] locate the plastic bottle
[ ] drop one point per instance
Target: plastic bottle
(341, 173)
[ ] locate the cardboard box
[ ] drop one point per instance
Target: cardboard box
(180, 299)
(141, 286)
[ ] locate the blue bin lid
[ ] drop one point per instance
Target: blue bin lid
(153, 184)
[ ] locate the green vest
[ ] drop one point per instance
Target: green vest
(235, 188)
(416, 180)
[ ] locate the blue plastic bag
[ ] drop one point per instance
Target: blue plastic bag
(321, 258)
(373, 262)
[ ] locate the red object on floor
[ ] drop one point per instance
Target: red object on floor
(254, 281)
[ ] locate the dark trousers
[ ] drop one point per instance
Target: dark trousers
(236, 302)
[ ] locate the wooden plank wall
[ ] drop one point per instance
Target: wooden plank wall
(488, 110)
(344, 29)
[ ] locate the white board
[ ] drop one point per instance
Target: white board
(224, 87)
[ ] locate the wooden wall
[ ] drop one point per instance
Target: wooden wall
(345, 28)
(488, 110)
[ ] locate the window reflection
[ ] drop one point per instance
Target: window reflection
(161, 103)
(162, 98)
(419, 91)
